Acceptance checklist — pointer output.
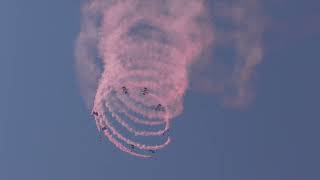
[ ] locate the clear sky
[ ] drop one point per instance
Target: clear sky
(46, 132)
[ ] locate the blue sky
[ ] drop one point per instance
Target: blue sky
(46, 131)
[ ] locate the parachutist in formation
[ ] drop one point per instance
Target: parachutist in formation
(125, 90)
(132, 146)
(144, 91)
(101, 134)
(95, 113)
(104, 128)
(152, 151)
(159, 107)
(165, 132)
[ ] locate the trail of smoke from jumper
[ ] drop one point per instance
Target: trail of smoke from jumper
(141, 44)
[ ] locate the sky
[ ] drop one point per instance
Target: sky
(46, 131)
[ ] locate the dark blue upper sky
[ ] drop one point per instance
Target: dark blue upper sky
(46, 132)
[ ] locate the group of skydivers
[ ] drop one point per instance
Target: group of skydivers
(144, 92)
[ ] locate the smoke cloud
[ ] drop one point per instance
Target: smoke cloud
(228, 67)
(135, 59)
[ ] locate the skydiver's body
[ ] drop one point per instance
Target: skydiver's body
(144, 91)
(104, 128)
(165, 132)
(101, 134)
(125, 90)
(95, 113)
(159, 107)
(132, 146)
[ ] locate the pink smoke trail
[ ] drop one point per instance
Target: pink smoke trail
(125, 46)
(238, 28)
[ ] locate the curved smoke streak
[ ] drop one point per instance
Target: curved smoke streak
(134, 59)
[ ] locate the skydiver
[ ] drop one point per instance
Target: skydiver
(104, 128)
(95, 113)
(125, 90)
(100, 134)
(144, 91)
(152, 151)
(132, 146)
(159, 107)
(165, 132)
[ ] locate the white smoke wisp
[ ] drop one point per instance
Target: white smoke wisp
(125, 46)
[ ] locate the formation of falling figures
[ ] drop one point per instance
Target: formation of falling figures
(102, 127)
(144, 92)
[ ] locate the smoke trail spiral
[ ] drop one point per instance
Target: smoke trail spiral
(145, 48)
(134, 59)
